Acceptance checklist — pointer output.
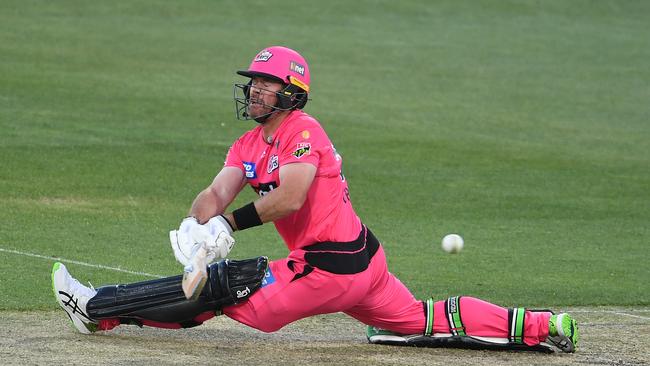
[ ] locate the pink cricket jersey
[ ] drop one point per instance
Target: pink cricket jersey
(327, 214)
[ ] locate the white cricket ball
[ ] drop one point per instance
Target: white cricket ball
(452, 243)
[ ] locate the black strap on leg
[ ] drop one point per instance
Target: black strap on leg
(452, 313)
(516, 325)
(163, 300)
(428, 316)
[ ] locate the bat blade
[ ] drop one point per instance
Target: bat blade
(195, 275)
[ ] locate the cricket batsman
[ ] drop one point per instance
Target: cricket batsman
(335, 262)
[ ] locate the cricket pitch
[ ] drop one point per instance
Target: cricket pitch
(609, 336)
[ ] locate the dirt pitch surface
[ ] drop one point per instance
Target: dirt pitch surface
(610, 336)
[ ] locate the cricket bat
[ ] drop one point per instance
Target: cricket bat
(195, 274)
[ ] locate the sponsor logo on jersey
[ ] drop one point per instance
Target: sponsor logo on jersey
(263, 56)
(268, 278)
(302, 149)
(297, 68)
(273, 164)
(265, 188)
(249, 168)
(305, 134)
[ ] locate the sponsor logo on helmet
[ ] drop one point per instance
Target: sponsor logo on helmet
(273, 164)
(296, 67)
(302, 149)
(249, 168)
(263, 56)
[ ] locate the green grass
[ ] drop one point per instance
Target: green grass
(521, 125)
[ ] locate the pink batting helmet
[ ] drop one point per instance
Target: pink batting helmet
(280, 63)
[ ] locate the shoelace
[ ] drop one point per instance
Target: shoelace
(77, 288)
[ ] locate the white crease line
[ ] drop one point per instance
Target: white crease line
(617, 312)
(80, 263)
(632, 315)
(636, 310)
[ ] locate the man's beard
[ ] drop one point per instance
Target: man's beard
(259, 111)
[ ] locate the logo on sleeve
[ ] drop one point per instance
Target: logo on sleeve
(302, 149)
(249, 168)
(336, 154)
(273, 164)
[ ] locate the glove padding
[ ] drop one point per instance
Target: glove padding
(214, 236)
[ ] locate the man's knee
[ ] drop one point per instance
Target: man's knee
(255, 317)
(261, 314)
(268, 327)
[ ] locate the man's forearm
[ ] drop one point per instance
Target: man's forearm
(214, 200)
(206, 205)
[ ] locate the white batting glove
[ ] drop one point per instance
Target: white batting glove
(187, 224)
(221, 240)
(181, 242)
(217, 225)
(182, 246)
(214, 236)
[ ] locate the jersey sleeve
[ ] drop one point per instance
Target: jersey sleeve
(233, 158)
(305, 145)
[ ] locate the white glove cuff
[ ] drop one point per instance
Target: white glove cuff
(218, 224)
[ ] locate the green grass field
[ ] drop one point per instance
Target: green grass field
(522, 125)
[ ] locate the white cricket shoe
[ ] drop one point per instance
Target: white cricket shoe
(72, 296)
(563, 332)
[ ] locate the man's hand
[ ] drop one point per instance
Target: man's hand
(214, 237)
(181, 240)
(211, 241)
(216, 234)
(188, 224)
